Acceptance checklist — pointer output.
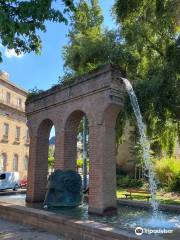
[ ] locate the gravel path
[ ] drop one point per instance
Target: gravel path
(13, 231)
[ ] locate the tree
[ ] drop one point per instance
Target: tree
(51, 153)
(151, 32)
(151, 35)
(146, 47)
(85, 33)
(20, 21)
(90, 45)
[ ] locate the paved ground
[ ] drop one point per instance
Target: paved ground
(13, 231)
(11, 192)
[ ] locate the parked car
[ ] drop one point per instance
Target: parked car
(9, 180)
(23, 183)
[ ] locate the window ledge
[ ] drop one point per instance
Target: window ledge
(4, 139)
(16, 142)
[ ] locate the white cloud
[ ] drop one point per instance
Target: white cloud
(10, 53)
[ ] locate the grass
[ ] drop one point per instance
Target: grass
(163, 197)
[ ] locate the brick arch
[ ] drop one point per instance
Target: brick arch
(100, 95)
(109, 115)
(42, 123)
(44, 127)
(77, 112)
(73, 119)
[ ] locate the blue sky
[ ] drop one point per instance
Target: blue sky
(42, 71)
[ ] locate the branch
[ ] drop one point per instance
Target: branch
(152, 45)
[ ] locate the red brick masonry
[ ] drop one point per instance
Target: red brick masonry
(100, 96)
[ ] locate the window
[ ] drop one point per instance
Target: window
(15, 163)
(19, 102)
(26, 162)
(3, 162)
(17, 133)
(8, 97)
(6, 130)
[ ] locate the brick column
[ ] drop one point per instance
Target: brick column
(66, 149)
(31, 169)
(70, 149)
(102, 188)
(37, 168)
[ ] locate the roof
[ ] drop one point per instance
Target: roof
(4, 76)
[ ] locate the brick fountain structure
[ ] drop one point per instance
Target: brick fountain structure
(100, 96)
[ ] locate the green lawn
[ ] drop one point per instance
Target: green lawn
(166, 198)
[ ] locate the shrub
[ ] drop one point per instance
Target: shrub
(128, 181)
(32, 93)
(79, 163)
(168, 173)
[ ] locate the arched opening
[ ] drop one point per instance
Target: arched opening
(51, 151)
(3, 162)
(76, 145)
(41, 162)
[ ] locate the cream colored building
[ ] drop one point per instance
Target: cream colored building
(14, 137)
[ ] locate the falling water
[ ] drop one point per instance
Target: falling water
(144, 144)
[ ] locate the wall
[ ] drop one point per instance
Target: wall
(13, 114)
(125, 154)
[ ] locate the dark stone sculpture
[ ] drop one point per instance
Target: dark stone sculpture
(63, 189)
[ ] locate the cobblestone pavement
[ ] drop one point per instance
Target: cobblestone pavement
(13, 231)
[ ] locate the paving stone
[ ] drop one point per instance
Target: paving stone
(14, 231)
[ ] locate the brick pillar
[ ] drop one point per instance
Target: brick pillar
(37, 168)
(102, 188)
(31, 169)
(70, 149)
(66, 149)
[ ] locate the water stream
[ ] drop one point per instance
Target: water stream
(145, 146)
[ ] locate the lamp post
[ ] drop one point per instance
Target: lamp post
(84, 152)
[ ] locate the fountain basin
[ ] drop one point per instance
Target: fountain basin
(75, 223)
(70, 229)
(147, 205)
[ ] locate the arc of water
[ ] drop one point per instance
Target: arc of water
(145, 145)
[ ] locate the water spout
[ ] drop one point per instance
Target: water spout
(144, 144)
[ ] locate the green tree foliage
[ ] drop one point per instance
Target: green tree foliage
(20, 21)
(146, 46)
(89, 44)
(151, 36)
(151, 31)
(168, 173)
(85, 33)
(51, 158)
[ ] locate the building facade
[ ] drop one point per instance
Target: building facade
(14, 136)
(126, 156)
